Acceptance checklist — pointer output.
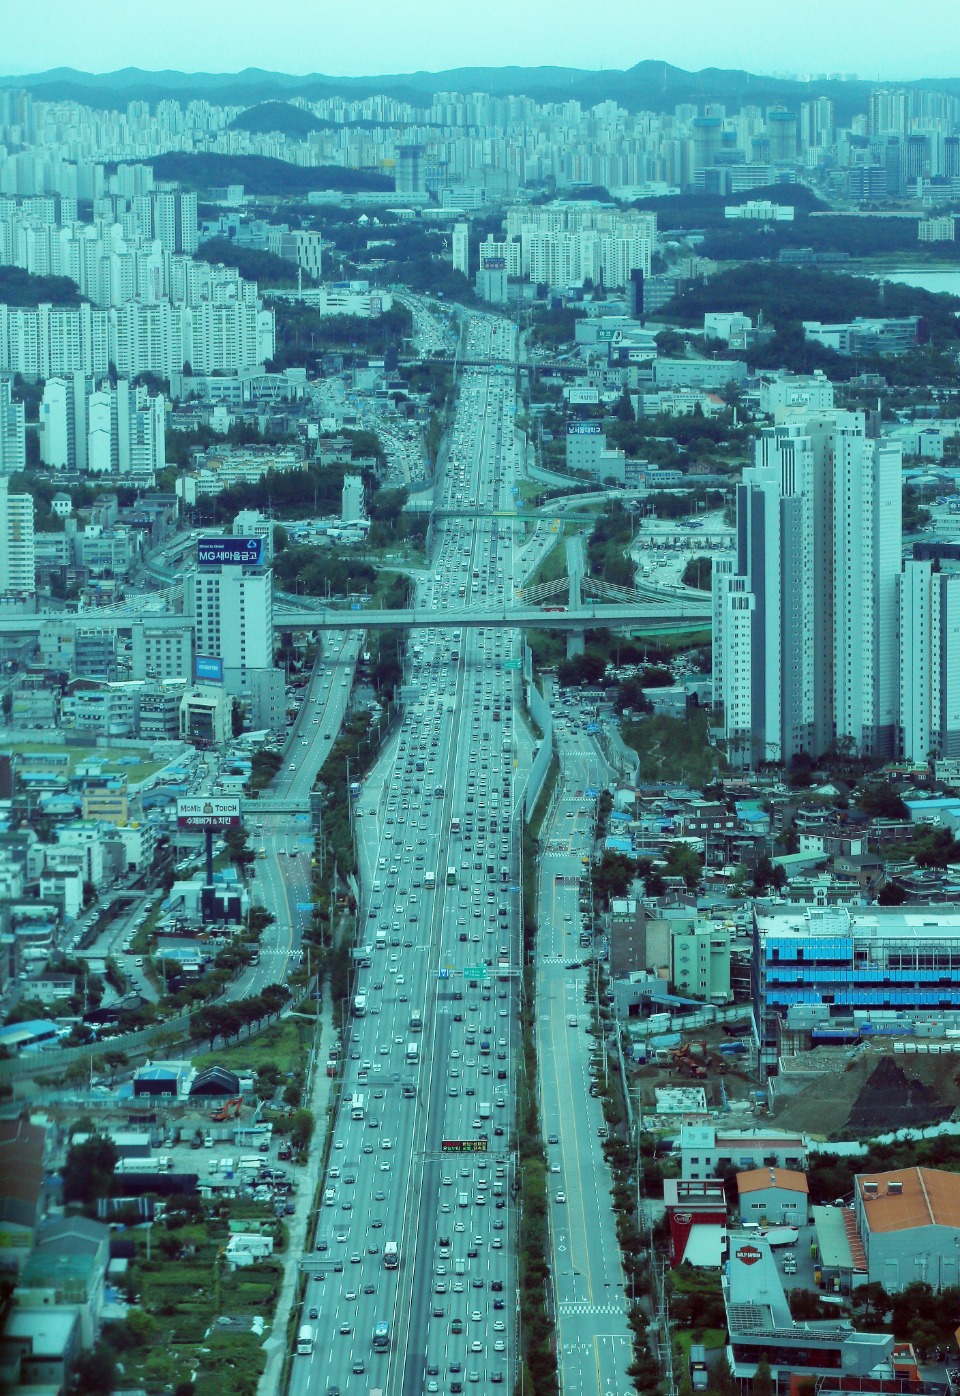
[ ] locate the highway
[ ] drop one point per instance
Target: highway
(593, 1339)
(436, 809)
(283, 881)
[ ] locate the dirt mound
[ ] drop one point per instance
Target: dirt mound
(890, 1099)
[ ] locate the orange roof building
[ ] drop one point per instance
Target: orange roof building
(773, 1196)
(909, 1222)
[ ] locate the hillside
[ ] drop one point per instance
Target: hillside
(647, 85)
(259, 174)
(278, 116)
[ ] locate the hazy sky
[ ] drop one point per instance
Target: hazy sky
(871, 38)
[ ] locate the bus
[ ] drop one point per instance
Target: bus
(416, 1021)
(360, 1006)
(391, 1255)
(358, 1106)
(305, 1341)
(429, 881)
(381, 1336)
(451, 877)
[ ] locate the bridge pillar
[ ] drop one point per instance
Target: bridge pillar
(576, 643)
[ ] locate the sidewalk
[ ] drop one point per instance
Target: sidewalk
(299, 1224)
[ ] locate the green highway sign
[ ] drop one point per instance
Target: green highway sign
(475, 972)
(513, 664)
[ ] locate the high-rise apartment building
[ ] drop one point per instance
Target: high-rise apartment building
(806, 618)
(929, 663)
(110, 428)
(461, 248)
(175, 222)
(13, 448)
(17, 583)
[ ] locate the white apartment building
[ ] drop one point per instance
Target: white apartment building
(160, 338)
(929, 662)
(13, 448)
(102, 429)
(351, 499)
(461, 248)
(806, 620)
(794, 392)
(17, 582)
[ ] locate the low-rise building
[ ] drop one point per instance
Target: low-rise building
(704, 1149)
(909, 1223)
(774, 1196)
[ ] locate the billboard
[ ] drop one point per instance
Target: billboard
(231, 552)
(584, 397)
(204, 812)
(608, 334)
(494, 263)
(464, 1146)
(206, 669)
(584, 428)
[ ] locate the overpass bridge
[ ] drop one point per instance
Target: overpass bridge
(634, 614)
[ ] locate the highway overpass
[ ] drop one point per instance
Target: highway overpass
(636, 615)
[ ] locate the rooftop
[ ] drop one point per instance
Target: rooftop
(756, 1179)
(909, 1198)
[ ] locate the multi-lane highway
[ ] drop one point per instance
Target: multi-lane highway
(593, 1338)
(431, 1053)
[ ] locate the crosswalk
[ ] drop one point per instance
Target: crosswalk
(569, 1307)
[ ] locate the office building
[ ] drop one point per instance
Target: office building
(461, 248)
(17, 582)
(806, 642)
(820, 970)
(929, 663)
(13, 450)
(232, 610)
(250, 523)
(161, 653)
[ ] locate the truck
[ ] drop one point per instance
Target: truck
(416, 1021)
(483, 1109)
(380, 940)
(391, 1255)
(305, 1341)
(413, 1053)
(429, 881)
(162, 1163)
(358, 1106)
(360, 1006)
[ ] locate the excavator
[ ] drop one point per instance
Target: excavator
(230, 1111)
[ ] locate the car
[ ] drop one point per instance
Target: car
(345, 1330)
(314, 1313)
(358, 1367)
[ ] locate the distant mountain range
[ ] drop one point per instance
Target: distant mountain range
(649, 85)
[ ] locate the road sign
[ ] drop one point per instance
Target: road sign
(475, 972)
(304, 906)
(591, 792)
(231, 552)
(443, 974)
(206, 813)
(513, 664)
(464, 1146)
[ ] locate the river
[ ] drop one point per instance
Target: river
(945, 282)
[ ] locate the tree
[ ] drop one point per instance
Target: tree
(613, 875)
(681, 861)
(95, 1372)
(698, 573)
(880, 800)
(766, 875)
(88, 1171)
(302, 1126)
(762, 1384)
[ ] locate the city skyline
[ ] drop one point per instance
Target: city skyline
(223, 37)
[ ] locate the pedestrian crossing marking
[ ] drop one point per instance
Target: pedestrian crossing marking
(570, 1307)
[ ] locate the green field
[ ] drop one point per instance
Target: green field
(112, 758)
(285, 1045)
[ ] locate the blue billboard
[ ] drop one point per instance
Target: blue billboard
(230, 552)
(584, 428)
(207, 669)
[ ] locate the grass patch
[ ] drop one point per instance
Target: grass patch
(554, 565)
(116, 761)
(285, 1045)
(672, 748)
(548, 647)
